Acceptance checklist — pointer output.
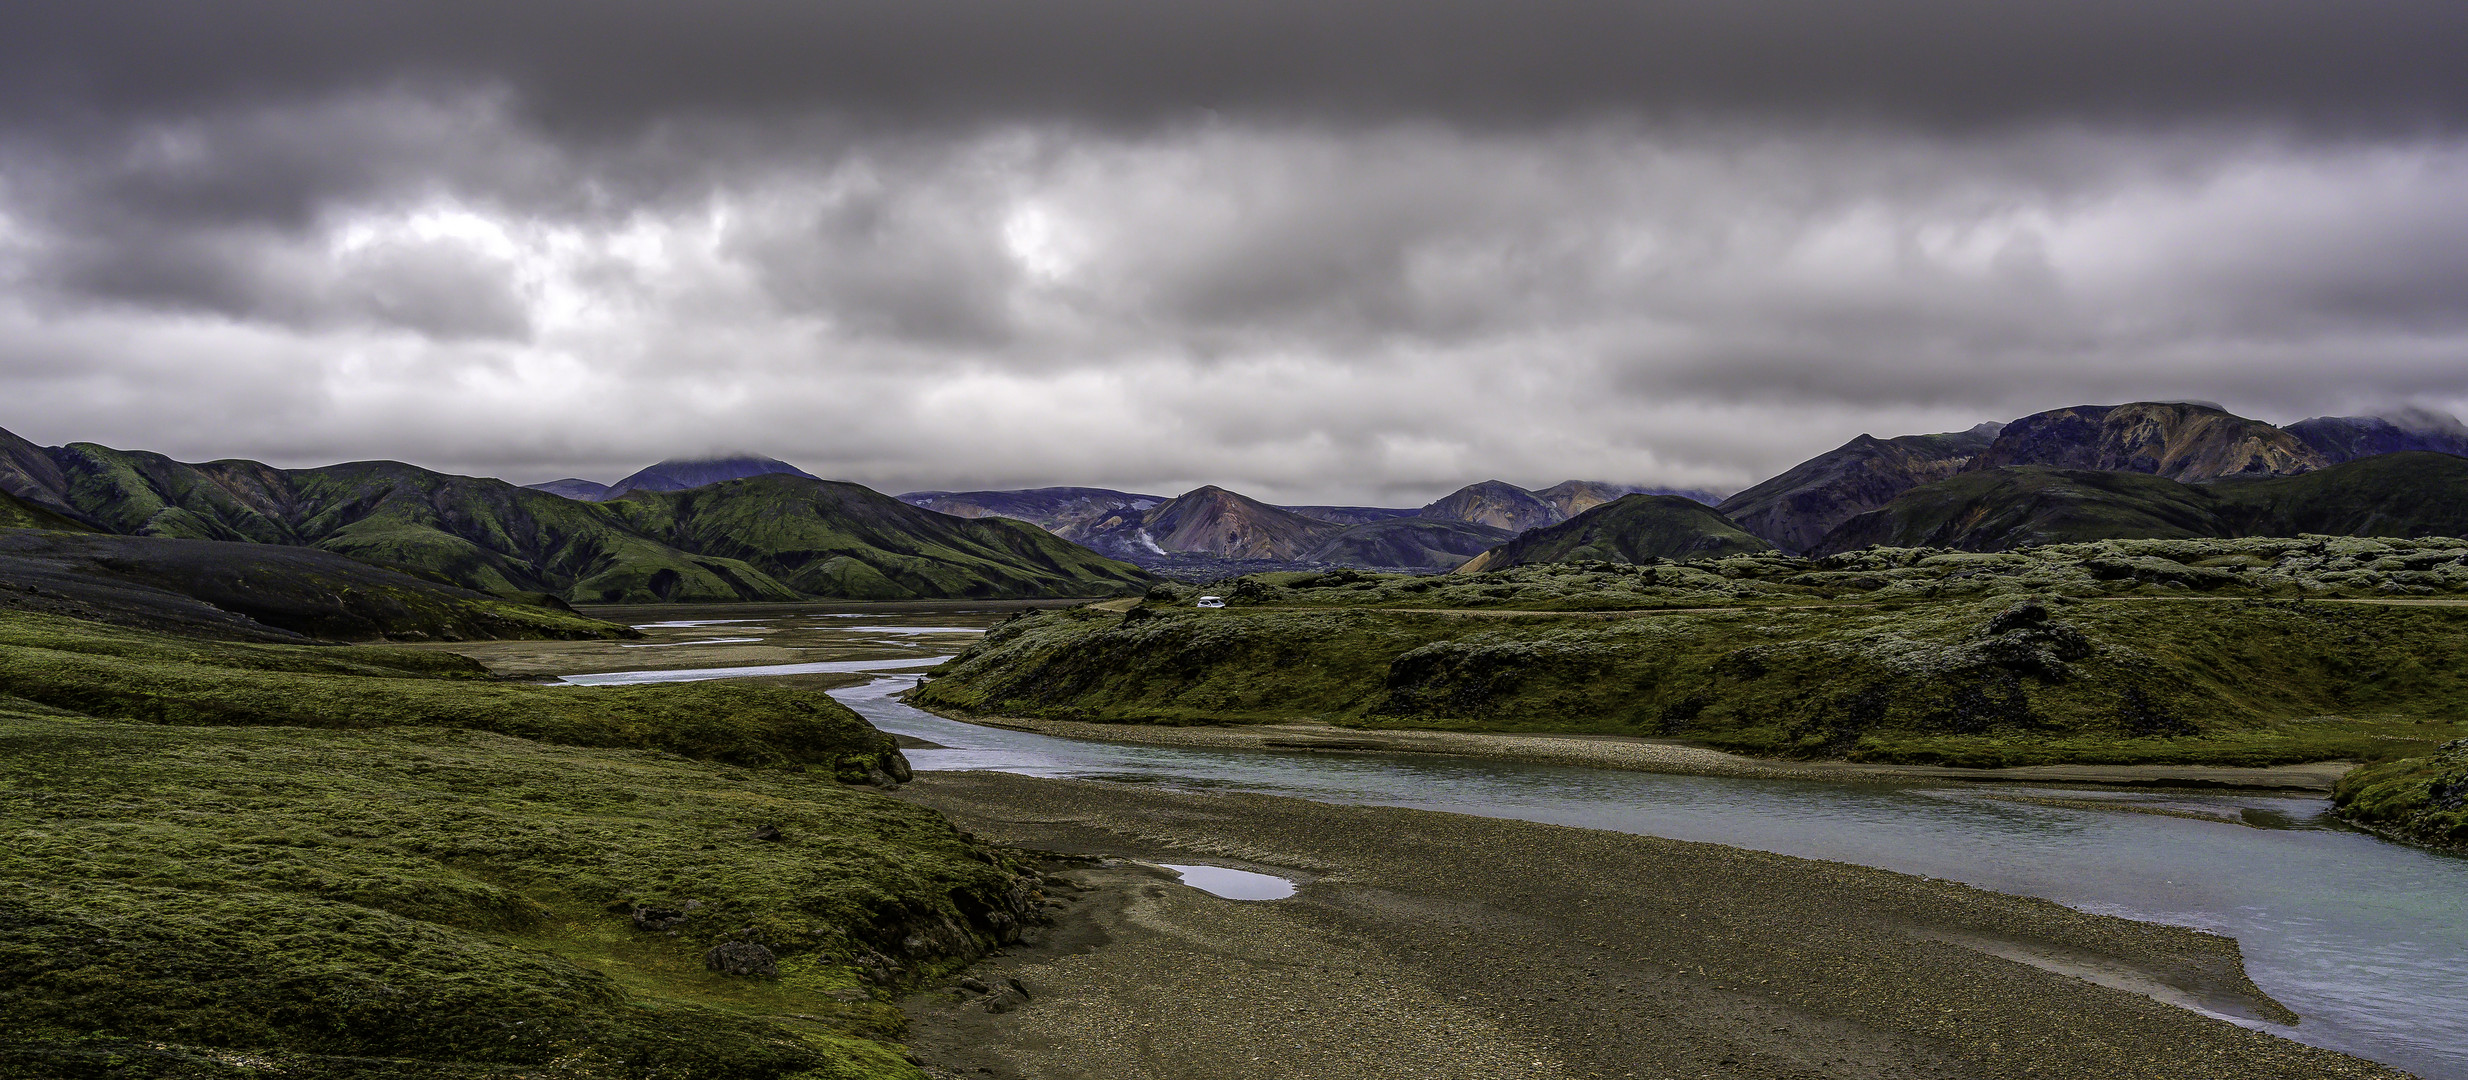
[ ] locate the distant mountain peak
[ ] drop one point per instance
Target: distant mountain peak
(686, 474)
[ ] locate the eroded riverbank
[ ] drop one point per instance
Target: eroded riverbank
(1664, 756)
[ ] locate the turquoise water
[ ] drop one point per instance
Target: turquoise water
(2366, 940)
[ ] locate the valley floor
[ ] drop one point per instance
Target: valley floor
(1426, 944)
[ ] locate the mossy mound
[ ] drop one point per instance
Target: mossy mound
(2422, 800)
(440, 903)
(115, 673)
(2324, 567)
(228, 859)
(1979, 681)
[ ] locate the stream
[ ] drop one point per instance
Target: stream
(2367, 940)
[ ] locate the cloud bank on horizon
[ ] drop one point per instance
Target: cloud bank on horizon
(1359, 252)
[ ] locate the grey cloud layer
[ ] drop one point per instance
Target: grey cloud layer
(1324, 252)
(617, 62)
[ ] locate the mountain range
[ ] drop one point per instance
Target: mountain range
(2186, 442)
(1210, 524)
(754, 528)
(772, 536)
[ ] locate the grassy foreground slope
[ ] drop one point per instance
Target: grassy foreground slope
(233, 859)
(261, 591)
(2113, 653)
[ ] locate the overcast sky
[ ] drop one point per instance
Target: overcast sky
(1364, 251)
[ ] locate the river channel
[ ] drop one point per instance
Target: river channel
(2366, 940)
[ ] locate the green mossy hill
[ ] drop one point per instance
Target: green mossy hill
(2422, 800)
(1631, 529)
(16, 513)
(825, 538)
(2407, 494)
(112, 672)
(1993, 680)
(425, 903)
(772, 538)
(2020, 506)
(261, 592)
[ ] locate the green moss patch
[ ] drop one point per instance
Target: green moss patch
(2421, 799)
(424, 901)
(1994, 680)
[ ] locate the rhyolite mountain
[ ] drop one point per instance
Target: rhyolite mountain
(2177, 440)
(1495, 503)
(1630, 529)
(1186, 532)
(1210, 520)
(774, 536)
(2194, 442)
(1796, 509)
(2408, 494)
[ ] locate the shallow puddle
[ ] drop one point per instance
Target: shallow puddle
(1233, 884)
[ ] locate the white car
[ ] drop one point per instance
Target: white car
(1212, 601)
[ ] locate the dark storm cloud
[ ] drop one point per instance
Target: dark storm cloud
(1321, 251)
(2374, 64)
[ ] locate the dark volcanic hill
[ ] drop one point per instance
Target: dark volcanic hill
(2405, 494)
(1631, 529)
(1351, 515)
(2178, 440)
(1796, 509)
(1068, 512)
(2347, 438)
(572, 488)
(684, 474)
(1408, 544)
(1495, 503)
(1573, 497)
(836, 540)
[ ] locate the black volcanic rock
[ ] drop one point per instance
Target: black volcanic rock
(682, 474)
(1796, 509)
